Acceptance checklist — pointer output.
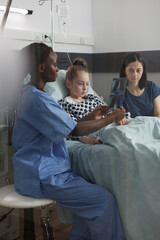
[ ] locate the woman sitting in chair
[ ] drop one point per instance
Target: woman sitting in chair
(142, 97)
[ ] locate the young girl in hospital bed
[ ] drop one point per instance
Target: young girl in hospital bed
(80, 105)
(42, 166)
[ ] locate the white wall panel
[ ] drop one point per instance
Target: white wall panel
(126, 25)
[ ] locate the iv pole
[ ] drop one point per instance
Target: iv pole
(52, 20)
(52, 25)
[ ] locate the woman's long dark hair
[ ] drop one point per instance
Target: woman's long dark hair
(134, 57)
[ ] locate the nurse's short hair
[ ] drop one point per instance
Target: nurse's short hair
(33, 55)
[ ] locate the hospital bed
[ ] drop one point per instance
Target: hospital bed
(127, 164)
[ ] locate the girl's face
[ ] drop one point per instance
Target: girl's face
(78, 87)
(134, 72)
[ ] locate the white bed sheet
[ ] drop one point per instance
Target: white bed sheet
(128, 165)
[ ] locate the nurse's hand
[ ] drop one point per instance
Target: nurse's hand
(118, 114)
(99, 111)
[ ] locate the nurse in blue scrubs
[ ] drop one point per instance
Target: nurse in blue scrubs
(41, 163)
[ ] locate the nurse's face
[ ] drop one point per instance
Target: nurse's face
(51, 69)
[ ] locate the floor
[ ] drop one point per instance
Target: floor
(61, 230)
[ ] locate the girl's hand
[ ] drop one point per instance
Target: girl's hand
(124, 121)
(90, 140)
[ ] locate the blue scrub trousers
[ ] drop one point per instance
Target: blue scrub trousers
(96, 213)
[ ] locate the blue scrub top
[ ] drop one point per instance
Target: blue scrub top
(144, 104)
(38, 138)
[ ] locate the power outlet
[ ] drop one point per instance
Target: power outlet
(46, 37)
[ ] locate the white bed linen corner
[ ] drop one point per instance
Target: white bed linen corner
(128, 165)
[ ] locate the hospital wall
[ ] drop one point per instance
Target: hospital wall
(100, 31)
(120, 27)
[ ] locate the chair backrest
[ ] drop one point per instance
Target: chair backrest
(58, 89)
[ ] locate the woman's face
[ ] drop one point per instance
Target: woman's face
(50, 68)
(134, 72)
(78, 87)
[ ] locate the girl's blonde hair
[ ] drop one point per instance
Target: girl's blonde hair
(79, 64)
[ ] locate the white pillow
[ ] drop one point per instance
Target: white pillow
(57, 89)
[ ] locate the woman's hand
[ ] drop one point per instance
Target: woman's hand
(157, 107)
